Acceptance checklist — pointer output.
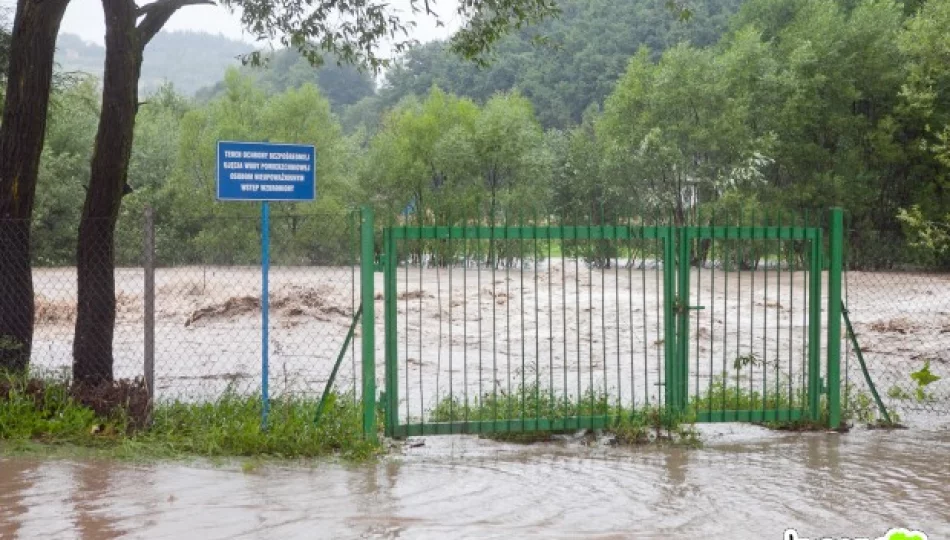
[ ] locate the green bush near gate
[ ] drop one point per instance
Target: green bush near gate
(628, 425)
(43, 416)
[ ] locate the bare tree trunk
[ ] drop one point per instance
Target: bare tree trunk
(95, 255)
(29, 79)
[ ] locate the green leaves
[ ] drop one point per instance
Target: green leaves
(902, 534)
(358, 32)
(446, 152)
(924, 377)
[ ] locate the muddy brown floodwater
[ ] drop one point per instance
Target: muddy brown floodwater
(744, 483)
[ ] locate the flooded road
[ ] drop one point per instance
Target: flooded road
(745, 483)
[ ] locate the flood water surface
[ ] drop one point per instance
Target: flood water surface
(744, 483)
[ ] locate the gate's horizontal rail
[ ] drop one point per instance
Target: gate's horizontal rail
(753, 233)
(598, 233)
(768, 415)
(571, 423)
(530, 233)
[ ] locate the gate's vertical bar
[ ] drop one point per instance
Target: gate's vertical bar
(814, 326)
(367, 293)
(669, 320)
(836, 244)
(390, 264)
(148, 261)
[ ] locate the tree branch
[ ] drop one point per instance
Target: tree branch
(157, 14)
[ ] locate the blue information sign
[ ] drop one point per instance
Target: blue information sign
(266, 172)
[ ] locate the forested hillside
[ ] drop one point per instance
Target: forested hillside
(796, 106)
(566, 64)
(188, 60)
(343, 85)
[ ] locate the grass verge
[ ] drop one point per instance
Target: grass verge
(47, 416)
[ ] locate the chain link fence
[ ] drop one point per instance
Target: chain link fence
(197, 324)
(901, 319)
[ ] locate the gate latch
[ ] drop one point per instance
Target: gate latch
(678, 308)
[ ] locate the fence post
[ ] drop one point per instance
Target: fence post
(835, 267)
(148, 261)
(367, 298)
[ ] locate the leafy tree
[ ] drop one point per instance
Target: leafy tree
(924, 110)
(409, 161)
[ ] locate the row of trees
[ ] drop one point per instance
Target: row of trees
(350, 32)
(799, 107)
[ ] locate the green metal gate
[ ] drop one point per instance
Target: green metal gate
(501, 328)
(769, 370)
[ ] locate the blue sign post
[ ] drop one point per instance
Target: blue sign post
(266, 172)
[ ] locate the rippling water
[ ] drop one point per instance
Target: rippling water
(744, 483)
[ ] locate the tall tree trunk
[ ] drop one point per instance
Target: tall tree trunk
(29, 79)
(95, 254)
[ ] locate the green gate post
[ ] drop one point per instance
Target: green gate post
(367, 294)
(836, 251)
(682, 318)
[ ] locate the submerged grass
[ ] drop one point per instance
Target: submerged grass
(722, 396)
(628, 425)
(46, 416)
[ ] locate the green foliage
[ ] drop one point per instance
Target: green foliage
(557, 64)
(448, 155)
(231, 427)
(930, 241)
(342, 84)
(48, 413)
(723, 395)
(185, 200)
(629, 426)
(860, 406)
(8, 343)
(44, 411)
(354, 32)
(921, 378)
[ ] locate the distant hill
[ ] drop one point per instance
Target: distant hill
(342, 85)
(564, 64)
(189, 60)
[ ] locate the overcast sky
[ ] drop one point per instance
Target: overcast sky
(84, 18)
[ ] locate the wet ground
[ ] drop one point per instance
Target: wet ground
(744, 483)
